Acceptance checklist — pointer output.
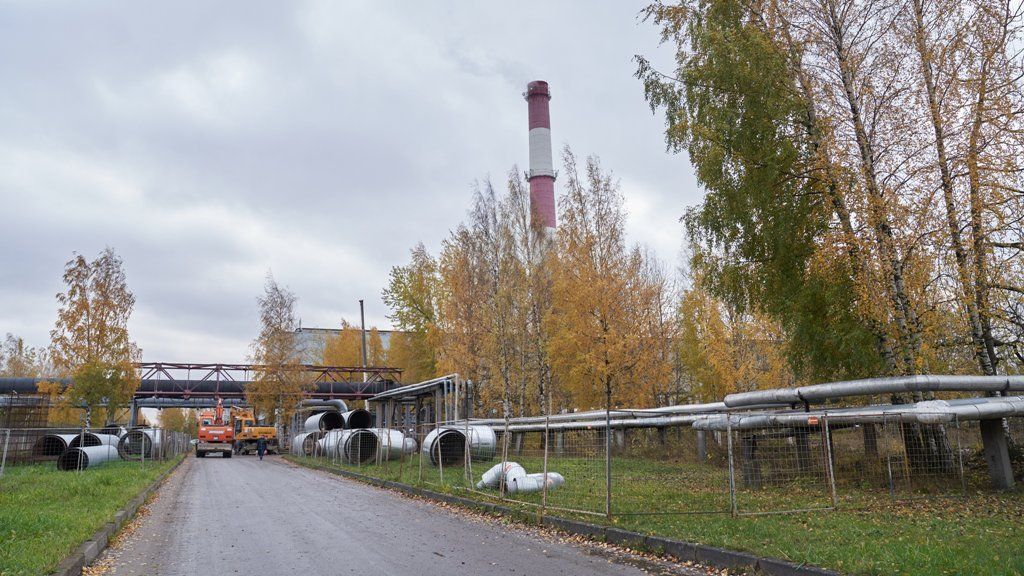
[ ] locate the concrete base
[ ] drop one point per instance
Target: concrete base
(997, 454)
(702, 446)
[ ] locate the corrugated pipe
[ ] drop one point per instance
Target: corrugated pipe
(52, 444)
(878, 386)
(447, 444)
(87, 457)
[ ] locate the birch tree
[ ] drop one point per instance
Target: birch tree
(280, 385)
(90, 341)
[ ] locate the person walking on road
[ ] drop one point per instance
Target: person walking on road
(261, 447)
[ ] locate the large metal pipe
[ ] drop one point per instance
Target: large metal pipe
(877, 386)
(304, 444)
(141, 443)
(353, 446)
(52, 445)
(709, 408)
(115, 429)
(515, 478)
(91, 439)
(928, 412)
(358, 418)
(338, 405)
(86, 457)
(332, 420)
(393, 443)
(446, 445)
(329, 420)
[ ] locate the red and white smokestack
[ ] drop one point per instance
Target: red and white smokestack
(542, 173)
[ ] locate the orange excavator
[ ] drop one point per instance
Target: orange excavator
(215, 435)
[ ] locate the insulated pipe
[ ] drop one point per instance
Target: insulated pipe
(115, 429)
(616, 424)
(91, 439)
(324, 421)
(305, 443)
(447, 444)
(392, 443)
(52, 444)
(878, 386)
(352, 446)
(929, 412)
(338, 405)
(141, 443)
(599, 415)
(89, 456)
(357, 418)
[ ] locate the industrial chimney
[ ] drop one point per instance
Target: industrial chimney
(542, 174)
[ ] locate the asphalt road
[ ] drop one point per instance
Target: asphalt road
(243, 516)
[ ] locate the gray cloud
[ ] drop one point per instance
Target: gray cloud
(209, 143)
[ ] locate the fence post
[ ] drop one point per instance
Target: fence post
(828, 455)
(504, 452)
(608, 454)
(419, 477)
(3, 461)
(960, 457)
(732, 471)
(547, 443)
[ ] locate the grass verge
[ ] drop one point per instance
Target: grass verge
(45, 513)
(980, 534)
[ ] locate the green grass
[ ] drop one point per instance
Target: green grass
(869, 534)
(45, 513)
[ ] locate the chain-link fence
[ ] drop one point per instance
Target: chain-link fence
(614, 469)
(80, 448)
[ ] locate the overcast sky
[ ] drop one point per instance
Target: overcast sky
(210, 142)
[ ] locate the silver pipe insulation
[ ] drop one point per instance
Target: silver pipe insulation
(331, 420)
(447, 444)
(337, 405)
(616, 424)
(357, 446)
(305, 444)
(927, 412)
(392, 444)
(617, 413)
(141, 443)
(817, 393)
(92, 439)
(52, 444)
(86, 457)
